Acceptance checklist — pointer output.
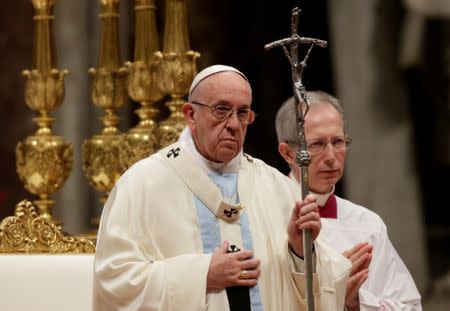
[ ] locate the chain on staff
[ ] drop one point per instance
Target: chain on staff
(301, 102)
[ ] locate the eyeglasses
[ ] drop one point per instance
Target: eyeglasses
(222, 112)
(339, 144)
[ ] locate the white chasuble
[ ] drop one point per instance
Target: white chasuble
(150, 250)
(219, 218)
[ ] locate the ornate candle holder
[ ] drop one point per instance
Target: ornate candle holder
(141, 141)
(44, 161)
(101, 153)
(177, 70)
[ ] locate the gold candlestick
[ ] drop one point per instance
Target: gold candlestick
(101, 153)
(141, 141)
(44, 161)
(177, 70)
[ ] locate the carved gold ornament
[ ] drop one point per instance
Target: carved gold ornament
(26, 232)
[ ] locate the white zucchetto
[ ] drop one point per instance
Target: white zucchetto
(208, 71)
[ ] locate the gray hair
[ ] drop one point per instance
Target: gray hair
(285, 122)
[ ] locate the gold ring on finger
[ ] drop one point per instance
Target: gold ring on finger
(244, 275)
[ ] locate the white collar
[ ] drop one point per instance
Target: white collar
(187, 142)
(322, 198)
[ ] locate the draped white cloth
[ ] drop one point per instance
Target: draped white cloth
(46, 282)
(149, 252)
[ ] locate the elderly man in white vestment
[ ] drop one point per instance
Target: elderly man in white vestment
(200, 225)
(379, 280)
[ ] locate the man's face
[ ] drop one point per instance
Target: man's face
(323, 124)
(219, 140)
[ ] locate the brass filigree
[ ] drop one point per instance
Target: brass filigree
(26, 232)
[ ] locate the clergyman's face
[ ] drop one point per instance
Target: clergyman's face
(324, 123)
(219, 140)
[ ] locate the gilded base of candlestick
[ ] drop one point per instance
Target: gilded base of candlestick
(102, 165)
(43, 164)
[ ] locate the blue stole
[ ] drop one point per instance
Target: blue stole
(210, 230)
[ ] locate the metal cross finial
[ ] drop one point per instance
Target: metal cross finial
(302, 107)
(297, 67)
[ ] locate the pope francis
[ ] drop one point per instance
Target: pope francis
(201, 225)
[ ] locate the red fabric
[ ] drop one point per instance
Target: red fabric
(329, 210)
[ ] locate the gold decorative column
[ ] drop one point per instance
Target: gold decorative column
(44, 161)
(101, 160)
(140, 141)
(177, 70)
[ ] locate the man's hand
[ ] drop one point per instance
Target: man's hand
(225, 268)
(304, 216)
(360, 256)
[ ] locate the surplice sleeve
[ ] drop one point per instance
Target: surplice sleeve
(393, 287)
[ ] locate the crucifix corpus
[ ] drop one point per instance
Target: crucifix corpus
(290, 47)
